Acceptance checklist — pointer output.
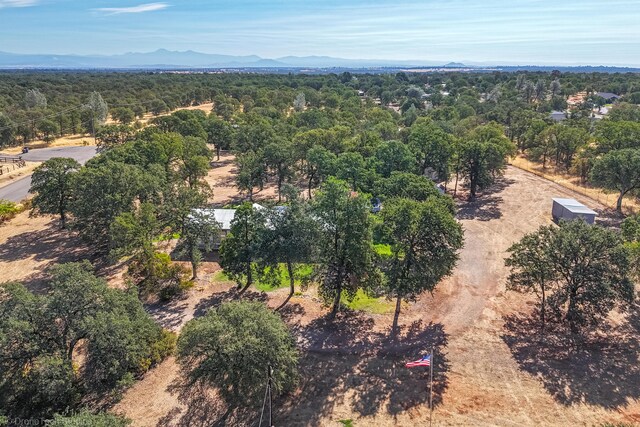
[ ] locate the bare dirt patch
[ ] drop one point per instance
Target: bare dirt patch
(221, 178)
(29, 245)
(485, 375)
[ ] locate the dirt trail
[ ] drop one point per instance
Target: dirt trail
(519, 204)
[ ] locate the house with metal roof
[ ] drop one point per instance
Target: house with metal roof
(608, 96)
(558, 116)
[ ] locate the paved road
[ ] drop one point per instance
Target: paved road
(19, 190)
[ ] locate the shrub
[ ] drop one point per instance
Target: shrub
(8, 210)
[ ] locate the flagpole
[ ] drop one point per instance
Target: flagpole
(431, 388)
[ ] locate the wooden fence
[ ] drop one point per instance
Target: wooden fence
(9, 163)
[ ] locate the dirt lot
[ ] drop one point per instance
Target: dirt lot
(487, 372)
(221, 178)
(29, 245)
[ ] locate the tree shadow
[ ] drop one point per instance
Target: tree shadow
(599, 368)
(169, 314)
(232, 294)
(482, 209)
(349, 359)
(609, 218)
(202, 408)
(291, 311)
(387, 379)
(486, 206)
(49, 246)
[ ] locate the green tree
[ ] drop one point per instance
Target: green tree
(618, 170)
(483, 156)
(51, 182)
(199, 234)
(290, 238)
(530, 272)
(425, 239)
(239, 250)
(408, 186)
(583, 269)
(345, 247)
(278, 159)
(157, 107)
(133, 233)
(615, 135)
(433, 148)
(123, 115)
(7, 131)
(109, 136)
(252, 172)
(394, 156)
(103, 192)
(49, 130)
(219, 133)
(40, 336)
(319, 165)
(196, 158)
(232, 348)
(352, 168)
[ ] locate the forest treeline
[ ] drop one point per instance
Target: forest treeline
(345, 107)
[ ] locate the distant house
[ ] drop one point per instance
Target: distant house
(608, 96)
(558, 116)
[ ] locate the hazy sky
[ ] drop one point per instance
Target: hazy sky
(496, 31)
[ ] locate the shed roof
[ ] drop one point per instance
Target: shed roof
(574, 206)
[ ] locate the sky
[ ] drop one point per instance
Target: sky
(522, 32)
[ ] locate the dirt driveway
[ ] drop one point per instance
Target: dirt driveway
(352, 371)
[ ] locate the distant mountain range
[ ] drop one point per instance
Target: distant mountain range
(163, 58)
(175, 60)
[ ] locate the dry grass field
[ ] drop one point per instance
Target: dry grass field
(490, 369)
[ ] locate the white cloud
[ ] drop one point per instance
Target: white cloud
(148, 7)
(17, 3)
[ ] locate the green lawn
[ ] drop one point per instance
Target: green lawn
(382, 249)
(363, 302)
(304, 272)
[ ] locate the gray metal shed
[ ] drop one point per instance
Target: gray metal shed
(569, 209)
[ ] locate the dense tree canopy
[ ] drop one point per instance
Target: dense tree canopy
(232, 348)
(580, 271)
(40, 336)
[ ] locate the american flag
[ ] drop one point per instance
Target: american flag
(424, 361)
